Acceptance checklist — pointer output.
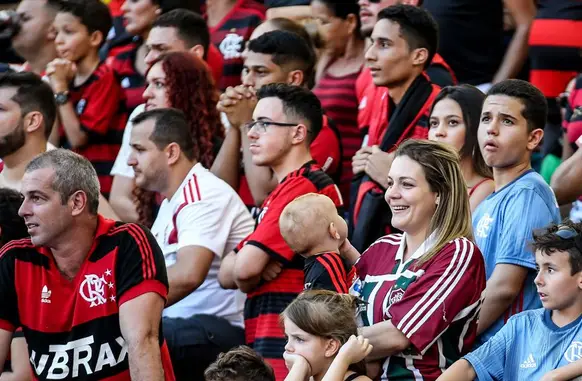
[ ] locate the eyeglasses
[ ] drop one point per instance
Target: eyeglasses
(261, 125)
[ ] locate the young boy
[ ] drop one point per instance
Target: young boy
(544, 340)
(87, 93)
(312, 228)
(239, 364)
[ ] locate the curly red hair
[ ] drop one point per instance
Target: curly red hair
(190, 89)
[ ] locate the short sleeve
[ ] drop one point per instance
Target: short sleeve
(268, 236)
(9, 319)
(327, 273)
(140, 265)
(120, 167)
(102, 102)
(206, 223)
(489, 359)
(524, 212)
(449, 289)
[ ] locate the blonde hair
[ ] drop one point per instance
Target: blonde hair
(452, 217)
(305, 220)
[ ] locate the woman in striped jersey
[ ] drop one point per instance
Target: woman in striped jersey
(423, 287)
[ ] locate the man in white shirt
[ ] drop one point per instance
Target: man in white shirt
(201, 219)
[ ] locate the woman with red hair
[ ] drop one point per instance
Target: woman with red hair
(179, 80)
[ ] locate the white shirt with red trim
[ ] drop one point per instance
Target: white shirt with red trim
(205, 211)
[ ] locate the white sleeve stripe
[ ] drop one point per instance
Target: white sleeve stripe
(457, 277)
(438, 288)
(420, 303)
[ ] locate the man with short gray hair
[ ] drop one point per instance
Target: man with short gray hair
(88, 291)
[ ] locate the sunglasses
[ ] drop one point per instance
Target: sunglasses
(566, 232)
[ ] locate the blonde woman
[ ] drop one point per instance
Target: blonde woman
(422, 287)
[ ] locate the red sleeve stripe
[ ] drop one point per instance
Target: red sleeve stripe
(334, 274)
(192, 191)
(197, 188)
(148, 265)
(440, 290)
(16, 244)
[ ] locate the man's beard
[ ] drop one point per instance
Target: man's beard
(13, 141)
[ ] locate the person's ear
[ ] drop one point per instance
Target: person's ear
(352, 21)
(534, 139)
(33, 121)
(197, 50)
(333, 232)
(295, 77)
(96, 38)
(419, 57)
(173, 153)
(78, 202)
(332, 348)
(300, 135)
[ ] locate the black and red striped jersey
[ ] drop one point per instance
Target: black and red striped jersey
(122, 60)
(72, 326)
(100, 106)
(555, 43)
(230, 36)
(327, 271)
(269, 299)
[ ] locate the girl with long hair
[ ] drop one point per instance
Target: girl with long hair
(422, 287)
(182, 81)
(318, 325)
(454, 119)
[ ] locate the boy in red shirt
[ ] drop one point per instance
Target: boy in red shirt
(87, 93)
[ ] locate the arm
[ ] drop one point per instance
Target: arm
(226, 272)
(248, 268)
(502, 288)
(481, 194)
(75, 135)
(567, 180)
(296, 12)
(461, 370)
(139, 319)
(19, 360)
(189, 272)
(5, 339)
(353, 351)
(105, 209)
(385, 339)
(378, 165)
(121, 198)
(523, 12)
(226, 165)
(564, 373)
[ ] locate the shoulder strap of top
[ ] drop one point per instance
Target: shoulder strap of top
(352, 377)
(472, 190)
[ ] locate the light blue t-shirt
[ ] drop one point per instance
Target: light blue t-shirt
(503, 225)
(527, 347)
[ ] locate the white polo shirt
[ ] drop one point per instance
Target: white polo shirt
(205, 211)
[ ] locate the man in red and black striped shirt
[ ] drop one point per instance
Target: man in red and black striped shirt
(88, 292)
(231, 23)
(285, 121)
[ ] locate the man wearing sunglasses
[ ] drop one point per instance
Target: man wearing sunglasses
(285, 122)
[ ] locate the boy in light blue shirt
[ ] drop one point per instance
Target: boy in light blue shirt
(511, 126)
(544, 343)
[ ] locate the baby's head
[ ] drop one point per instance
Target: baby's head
(311, 221)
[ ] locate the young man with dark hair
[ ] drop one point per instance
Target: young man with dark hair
(239, 364)
(373, 108)
(274, 57)
(285, 122)
(87, 92)
(404, 41)
(102, 285)
(542, 343)
(181, 30)
(512, 121)
(200, 220)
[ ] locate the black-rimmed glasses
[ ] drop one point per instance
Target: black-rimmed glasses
(261, 125)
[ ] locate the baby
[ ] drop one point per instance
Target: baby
(312, 228)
